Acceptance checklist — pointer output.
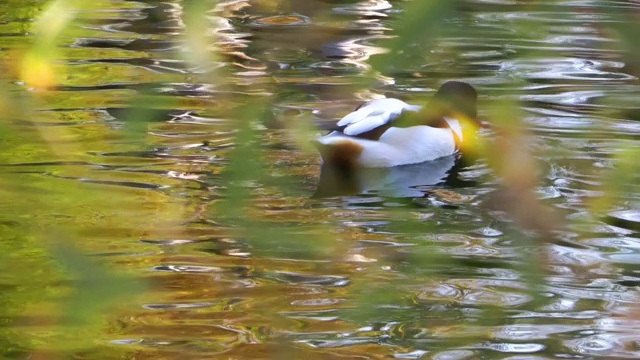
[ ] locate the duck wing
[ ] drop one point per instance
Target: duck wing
(371, 119)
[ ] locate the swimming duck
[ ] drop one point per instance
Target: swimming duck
(389, 132)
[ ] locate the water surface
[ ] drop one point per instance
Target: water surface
(335, 277)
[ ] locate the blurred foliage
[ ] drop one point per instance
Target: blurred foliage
(84, 288)
(38, 66)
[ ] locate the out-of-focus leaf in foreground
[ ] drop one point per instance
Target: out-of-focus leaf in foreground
(38, 68)
(95, 289)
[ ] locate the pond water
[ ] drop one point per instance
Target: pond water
(127, 158)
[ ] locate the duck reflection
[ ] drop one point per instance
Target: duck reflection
(399, 181)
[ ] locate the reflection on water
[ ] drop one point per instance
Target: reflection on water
(145, 208)
(400, 181)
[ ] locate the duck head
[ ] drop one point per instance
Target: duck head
(458, 97)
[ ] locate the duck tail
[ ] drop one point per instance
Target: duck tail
(339, 174)
(341, 154)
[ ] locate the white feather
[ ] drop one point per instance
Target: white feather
(373, 114)
(370, 123)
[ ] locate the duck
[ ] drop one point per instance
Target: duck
(388, 132)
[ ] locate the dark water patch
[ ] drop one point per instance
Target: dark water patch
(132, 184)
(154, 65)
(308, 280)
(628, 219)
(179, 306)
(160, 154)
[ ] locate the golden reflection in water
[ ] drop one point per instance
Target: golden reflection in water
(316, 35)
